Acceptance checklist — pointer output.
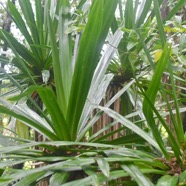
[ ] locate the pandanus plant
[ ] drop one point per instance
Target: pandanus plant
(68, 39)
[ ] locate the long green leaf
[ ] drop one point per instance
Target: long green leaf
(129, 15)
(98, 115)
(130, 125)
(65, 54)
(19, 21)
(99, 80)
(173, 143)
(85, 65)
(24, 114)
(135, 173)
(59, 124)
(151, 94)
(88, 55)
(20, 49)
(40, 21)
(104, 166)
(60, 92)
(59, 178)
(5, 34)
(33, 178)
(29, 16)
(19, 87)
(17, 18)
(85, 182)
(168, 180)
(62, 56)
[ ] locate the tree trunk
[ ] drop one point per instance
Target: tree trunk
(105, 120)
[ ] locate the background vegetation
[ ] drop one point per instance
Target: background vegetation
(94, 92)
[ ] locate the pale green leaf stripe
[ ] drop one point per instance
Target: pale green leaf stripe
(144, 9)
(97, 80)
(104, 166)
(127, 123)
(137, 175)
(65, 54)
(97, 116)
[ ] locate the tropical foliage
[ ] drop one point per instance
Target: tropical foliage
(71, 53)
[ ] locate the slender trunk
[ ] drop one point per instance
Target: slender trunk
(105, 120)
